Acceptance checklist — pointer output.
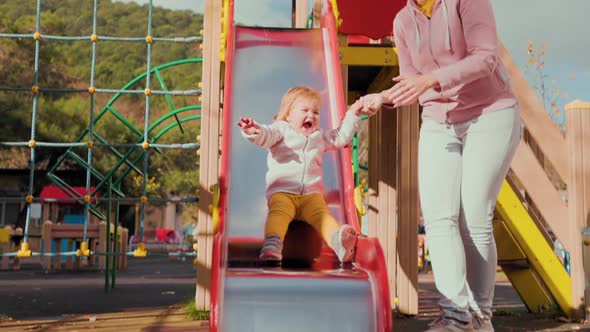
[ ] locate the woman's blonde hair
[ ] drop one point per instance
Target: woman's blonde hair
(292, 95)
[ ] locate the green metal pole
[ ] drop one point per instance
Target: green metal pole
(116, 237)
(108, 244)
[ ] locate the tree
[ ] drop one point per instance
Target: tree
(545, 87)
(63, 117)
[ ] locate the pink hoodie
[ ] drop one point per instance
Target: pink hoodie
(459, 45)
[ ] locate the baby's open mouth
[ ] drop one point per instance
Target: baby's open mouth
(307, 124)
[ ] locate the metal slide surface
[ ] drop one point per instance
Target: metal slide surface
(262, 64)
(266, 64)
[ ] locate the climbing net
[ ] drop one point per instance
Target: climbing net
(127, 155)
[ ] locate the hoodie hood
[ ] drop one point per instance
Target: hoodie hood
(416, 11)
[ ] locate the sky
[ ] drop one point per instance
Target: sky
(560, 25)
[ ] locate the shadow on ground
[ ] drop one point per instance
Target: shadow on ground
(151, 282)
(147, 297)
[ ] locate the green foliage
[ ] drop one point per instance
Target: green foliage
(64, 117)
(5, 317)
(193, 313)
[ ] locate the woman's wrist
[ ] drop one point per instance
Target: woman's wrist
(384, 97)
(385, 100)
(432, 81)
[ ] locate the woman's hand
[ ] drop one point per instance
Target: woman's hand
(249, 127)
(409, 88)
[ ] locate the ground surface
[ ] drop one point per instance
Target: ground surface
(149, 297)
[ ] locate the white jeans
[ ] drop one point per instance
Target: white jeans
(461, 168)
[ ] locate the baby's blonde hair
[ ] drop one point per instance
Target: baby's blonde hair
(292, 95)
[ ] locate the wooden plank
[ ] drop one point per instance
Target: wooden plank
(586, 263)
(388, 200)
(542, 192)
(209, 152)
(300, 13)
(407, 184)
(535, 117)
(578, 143)
(382, 195)
(373, 181)
(172, 319)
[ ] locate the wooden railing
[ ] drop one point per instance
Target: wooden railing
(568, 159)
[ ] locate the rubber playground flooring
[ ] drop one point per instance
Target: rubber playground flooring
(150, 297)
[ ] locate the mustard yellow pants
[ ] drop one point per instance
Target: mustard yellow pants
(312, 208)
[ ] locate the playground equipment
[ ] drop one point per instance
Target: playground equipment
(530, 210)
(260, 64)
(97, 236)
(128, 155)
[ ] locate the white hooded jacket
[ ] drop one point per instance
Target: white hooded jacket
(294, 160)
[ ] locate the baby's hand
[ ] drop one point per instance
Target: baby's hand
(356, 107)
(248, 126)
(372, 103)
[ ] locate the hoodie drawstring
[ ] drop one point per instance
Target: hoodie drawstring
(448, 37)
(418, 38)
(448, 28)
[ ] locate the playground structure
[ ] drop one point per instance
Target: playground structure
(100, 235)
(530, 210)
(97, 236)
(55, 236)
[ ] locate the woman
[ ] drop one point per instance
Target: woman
(448, 60)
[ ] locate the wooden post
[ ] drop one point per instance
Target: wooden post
(382, 193)
(5, 246)
(407, 208)
(102, 244)
(209, 151)
(46, 260)
(123, 248)
(578, 142)
(58, 250)
(45, 211)
(300, 13)
(70, 246)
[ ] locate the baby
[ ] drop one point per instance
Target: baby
(294, 180)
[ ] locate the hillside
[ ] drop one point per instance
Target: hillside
(67, 64)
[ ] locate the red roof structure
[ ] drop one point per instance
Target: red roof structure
(55, 192)
(371, 18)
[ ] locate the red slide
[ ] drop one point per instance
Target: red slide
(311, 291)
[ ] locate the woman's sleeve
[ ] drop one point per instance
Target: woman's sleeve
(481, 37)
